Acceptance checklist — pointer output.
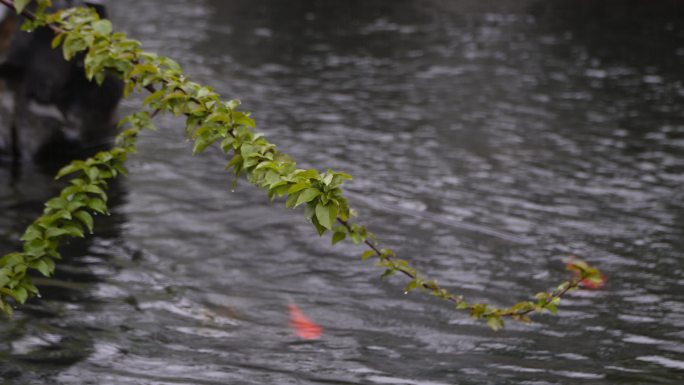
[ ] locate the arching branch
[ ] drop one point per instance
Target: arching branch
(209, 121)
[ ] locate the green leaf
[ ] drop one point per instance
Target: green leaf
(332, 212)
(11, 260)
(31, 233)
(298, 187)
(30, 287)
(268, 164)
(73, 44)
(4, 279)
(367, 254)
(344, 175)
(56, 203)
(75, 204)
(103, 27)
(338, 237)
(97, 205)
(202, 143)
(552, 308)
(5, 307)
(477, 310)
(307, 174)
(307, 196)
(153, 97)
(70, 168)
(432, 284)
(388, 273)
(292, 200)
(57, 40)
(356, 238)
(495, 322)
(54, 232)
(93, 173)
(43, 267)
(310, 211)
(74, 230)
(321, 230)
(95, 189)
(86, 218)
(36, 248)
(62, 214)
(323, 216)
(272, 178)
(242, 118)
(19, 5)
(280, 189)
(227, 143)
(237, 159)
(20, 294)
(411, 285)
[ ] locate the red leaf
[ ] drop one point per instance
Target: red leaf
(595, 283)
(578, 266)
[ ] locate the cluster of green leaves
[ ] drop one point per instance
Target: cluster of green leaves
(209, 122)
(70, 214)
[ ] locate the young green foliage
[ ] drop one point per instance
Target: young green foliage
(70, 214)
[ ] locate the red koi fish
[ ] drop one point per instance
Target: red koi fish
(302, 326)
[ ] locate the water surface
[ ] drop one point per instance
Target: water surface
(488, 141)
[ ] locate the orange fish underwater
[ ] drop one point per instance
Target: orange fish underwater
(302, 326)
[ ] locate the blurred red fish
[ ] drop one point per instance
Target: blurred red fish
(302, 325)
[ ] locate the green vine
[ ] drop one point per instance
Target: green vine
(209, 121)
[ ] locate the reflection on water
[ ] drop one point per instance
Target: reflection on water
(488, 140)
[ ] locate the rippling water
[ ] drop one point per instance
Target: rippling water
(488, 140)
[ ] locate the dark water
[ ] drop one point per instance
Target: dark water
(488, 140)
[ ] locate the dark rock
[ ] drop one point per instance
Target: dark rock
(55, 111)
